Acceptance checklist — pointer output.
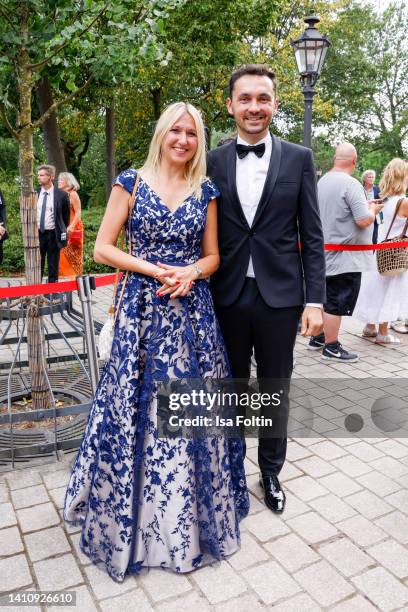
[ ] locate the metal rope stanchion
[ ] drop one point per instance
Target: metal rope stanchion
(85, 294)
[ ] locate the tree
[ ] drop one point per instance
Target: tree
(366, 77)
(89, 40)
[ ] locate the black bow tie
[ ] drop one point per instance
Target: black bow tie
(243, 150)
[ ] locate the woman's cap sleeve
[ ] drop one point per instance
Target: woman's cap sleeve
(211, 190)
(126, 179)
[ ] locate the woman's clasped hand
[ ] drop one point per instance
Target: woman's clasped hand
(177, 280)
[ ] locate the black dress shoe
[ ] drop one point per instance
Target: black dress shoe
(275, 498)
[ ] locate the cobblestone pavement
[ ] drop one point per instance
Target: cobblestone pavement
(341, 545)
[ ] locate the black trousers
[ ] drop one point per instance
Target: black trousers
(50, 250)
(250, 324)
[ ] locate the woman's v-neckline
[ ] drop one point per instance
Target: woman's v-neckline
(172, 212)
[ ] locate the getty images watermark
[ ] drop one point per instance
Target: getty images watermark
(329, 408)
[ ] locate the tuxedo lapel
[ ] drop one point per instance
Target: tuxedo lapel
(232, 181)
(271, 177)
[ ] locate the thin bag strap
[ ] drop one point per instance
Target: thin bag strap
(393, 219)
(131, 204)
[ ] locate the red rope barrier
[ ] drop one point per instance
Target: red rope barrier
(109, 279)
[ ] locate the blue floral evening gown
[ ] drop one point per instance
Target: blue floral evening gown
(145, 501)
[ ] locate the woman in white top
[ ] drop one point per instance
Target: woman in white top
(385, 298)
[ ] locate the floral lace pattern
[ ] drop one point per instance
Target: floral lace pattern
(145, 501)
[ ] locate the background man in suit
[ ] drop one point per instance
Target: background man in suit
(52, 220)
(3, 233)
(268, 201)
(372, 192)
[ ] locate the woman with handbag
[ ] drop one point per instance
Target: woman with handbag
(145, 500)
(384, 291)
(70, 263)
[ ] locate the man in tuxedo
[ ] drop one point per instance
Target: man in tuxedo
(268, 203)
(3, 232)
(52, 220)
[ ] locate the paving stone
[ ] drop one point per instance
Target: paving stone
(255, 505)
(390, 467)
(266, 525)
(294, 506)
(365, 451)
(306, 488)
(84, 602)
(37, 517)
(355, 604)
(58, 496)
(299, 603)
(57, 573)
(15, 573)
(382, 589)
(132, 600)
(340, 484)
(7, 515)
(3, 494)
(393, 448)
(250, 467)
(22, 498)
(392, 556)
(396, 525)
(352, 466)
(332, 508)
(328, 450)
(10, 541)
(271, 582)
(242, 604)
(378, 483)
(399, 500)
(46, 543)
(57, 479)
(315, 467)
(291, 552)
(296, 451)
(323, 583)
(345, 557)
(104, 586)
(369, 505)
(289, 471)
(20, 479)
(219, 583)
(362, 531)
(249, 554)
(192, 601)
(312, 527)
(67, 527)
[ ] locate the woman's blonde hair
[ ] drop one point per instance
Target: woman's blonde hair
(69, 179)
(195, 169)
(395, 177)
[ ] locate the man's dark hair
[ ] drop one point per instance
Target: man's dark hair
(253, 69)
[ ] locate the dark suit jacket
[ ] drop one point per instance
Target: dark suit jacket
(376, 191)
(3, 220)
(61, 215)
(288, 210)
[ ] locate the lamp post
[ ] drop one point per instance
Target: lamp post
(310, 53)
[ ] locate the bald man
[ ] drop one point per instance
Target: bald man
(347, 218)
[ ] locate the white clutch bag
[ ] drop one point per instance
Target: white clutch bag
(107, 332)
(106, 338)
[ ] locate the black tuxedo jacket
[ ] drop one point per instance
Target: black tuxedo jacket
(61, 215)
(287, 212)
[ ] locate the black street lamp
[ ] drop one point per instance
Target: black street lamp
(310, 53)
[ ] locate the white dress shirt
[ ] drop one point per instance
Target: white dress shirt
(251, 173)
(251, 176)
(49, 211)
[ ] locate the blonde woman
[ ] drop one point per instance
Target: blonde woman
(385, 298)
(146, 501)
(70, 263)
